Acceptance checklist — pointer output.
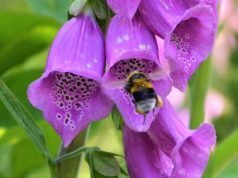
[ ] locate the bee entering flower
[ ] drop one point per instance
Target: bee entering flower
(131, 50)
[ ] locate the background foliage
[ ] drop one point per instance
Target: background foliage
(27, 28)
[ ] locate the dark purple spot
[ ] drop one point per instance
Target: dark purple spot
(66, 121)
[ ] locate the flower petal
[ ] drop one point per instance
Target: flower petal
(190, 43)
(127, 39)
(160, 16)
(131, 47)
(191, 156)
(69, 93)
(189, 150)
(143, 157)
(125, 8)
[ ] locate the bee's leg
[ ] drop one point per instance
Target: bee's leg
(160, 101)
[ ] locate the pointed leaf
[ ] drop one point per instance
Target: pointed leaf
(74, 153)
(12, 81)
(105, 164)
(102, 164)
(224, 154)
(24, 119)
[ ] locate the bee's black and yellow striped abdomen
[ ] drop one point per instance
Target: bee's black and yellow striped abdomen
(143, 94)
(141, 88)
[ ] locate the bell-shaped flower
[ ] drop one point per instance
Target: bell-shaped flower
(168, 149)
(68, 93)
(188, 28)
(130, 46)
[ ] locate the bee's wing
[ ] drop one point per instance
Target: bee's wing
(157, 75)
(116, 84)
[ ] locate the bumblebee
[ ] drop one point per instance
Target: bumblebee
(141, 89)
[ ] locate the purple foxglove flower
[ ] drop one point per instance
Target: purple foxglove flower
(168, 149)
(188, 27)
(68, 93)
(125, 8)
(130, 46)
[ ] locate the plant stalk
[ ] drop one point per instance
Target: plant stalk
(198, 93)
(70, 167)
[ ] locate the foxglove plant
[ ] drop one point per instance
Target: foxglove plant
(74, 91)
(69, 93)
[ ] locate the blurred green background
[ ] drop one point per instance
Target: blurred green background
(27, 28)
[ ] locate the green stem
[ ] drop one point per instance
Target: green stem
(198, 93)
(53, 170)
(70, 167)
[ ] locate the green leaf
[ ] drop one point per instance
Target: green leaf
(89, 159)
(231, 170)
(224, 153)
(117, 118)
(74, 154)
(105, 164)
(24, 119)
(12, 80)
(199, 86)
(54, 8)
(123, 172)
(25, 46)
(109, 153)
